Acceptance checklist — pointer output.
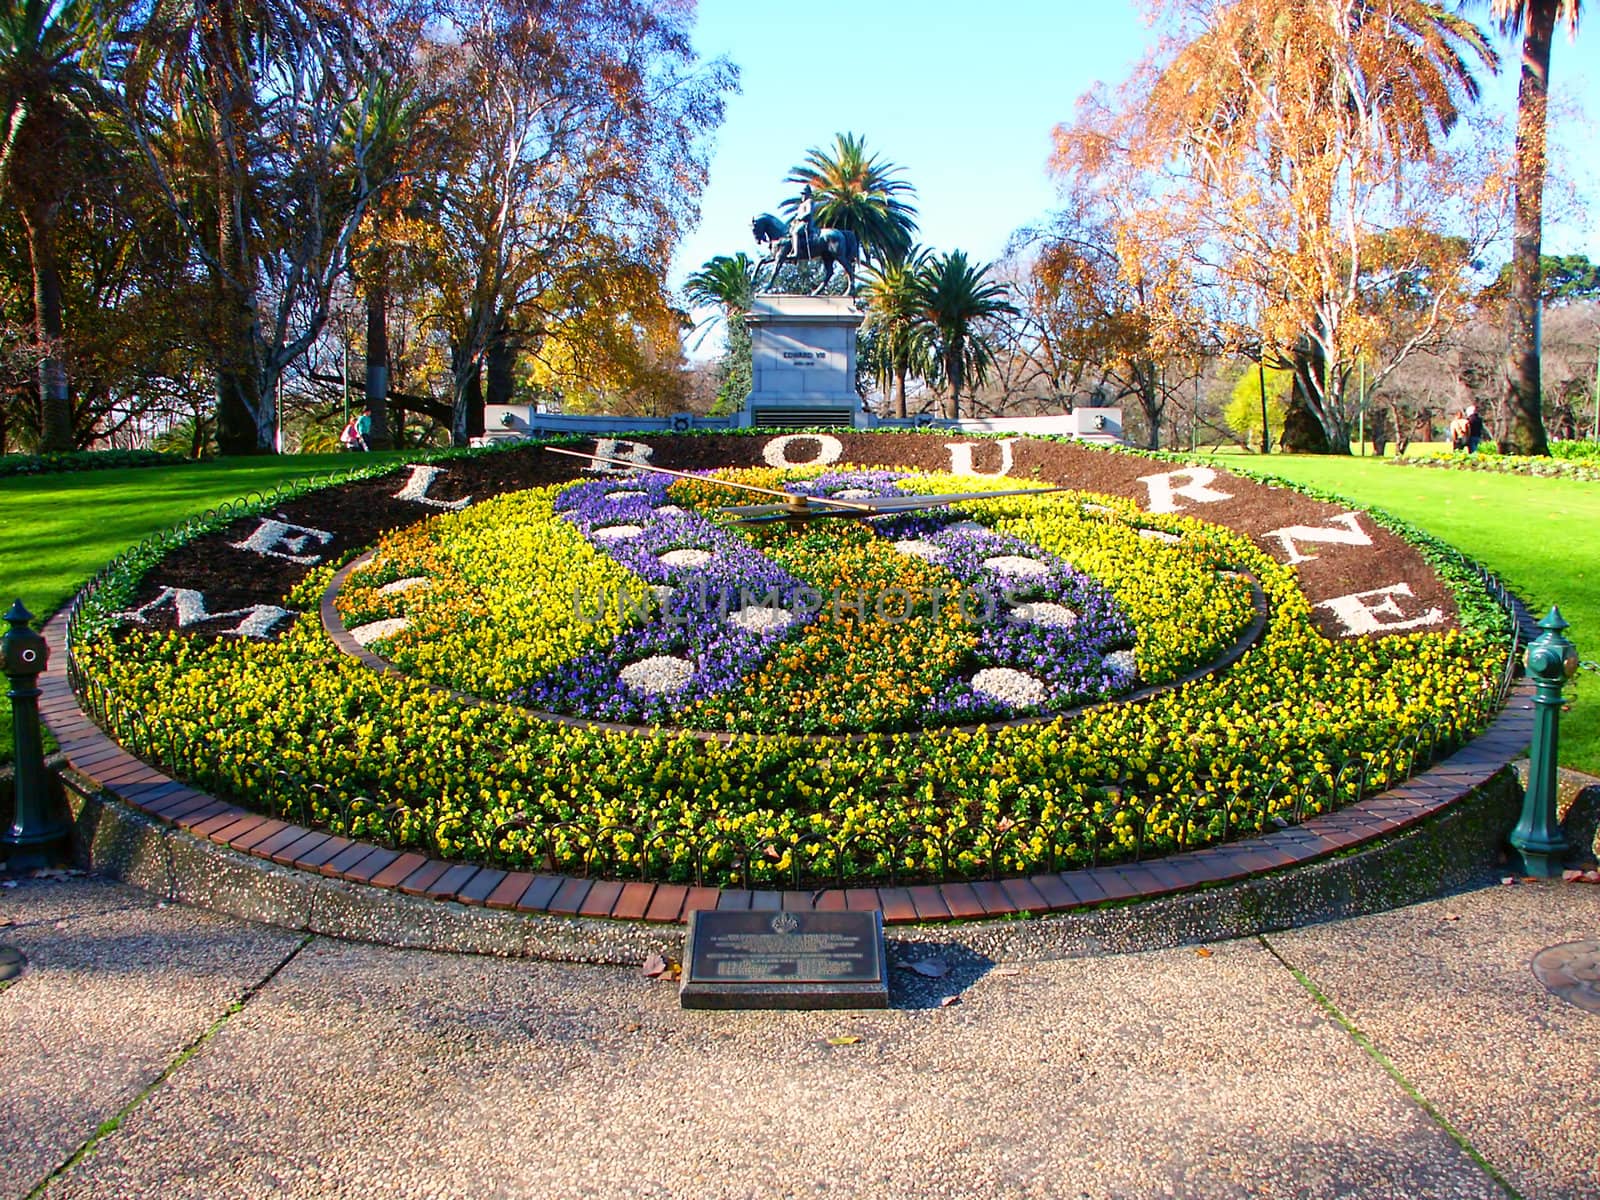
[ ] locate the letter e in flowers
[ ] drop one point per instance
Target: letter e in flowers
(1349, 533)
(1165, 490)
(416, 489)
(1377, 611)
(279, 539)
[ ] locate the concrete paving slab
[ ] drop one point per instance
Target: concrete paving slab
(1445, 989)
(115, 988)
(368, 1072)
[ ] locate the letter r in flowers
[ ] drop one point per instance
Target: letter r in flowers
(1369, 612)
(279, 539)
(1348, 533)
(1165, 490)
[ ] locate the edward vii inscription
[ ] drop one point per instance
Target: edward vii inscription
(736, 959)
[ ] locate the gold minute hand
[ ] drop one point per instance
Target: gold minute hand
(794, 501)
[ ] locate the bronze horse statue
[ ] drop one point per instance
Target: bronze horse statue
(830, 246)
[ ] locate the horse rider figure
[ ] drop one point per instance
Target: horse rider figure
(802, 229)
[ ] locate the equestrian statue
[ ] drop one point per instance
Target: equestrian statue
(801, 240)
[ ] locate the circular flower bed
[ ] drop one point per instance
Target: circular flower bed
(713, 629)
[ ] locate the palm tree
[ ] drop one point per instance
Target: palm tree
(894, 321)
(728, 283)
(956, 297)
(50, 95)
(860, 193)
(1536, 21)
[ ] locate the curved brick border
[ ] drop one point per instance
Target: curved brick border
(109, 770)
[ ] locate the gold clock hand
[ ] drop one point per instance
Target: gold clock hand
(792, 501)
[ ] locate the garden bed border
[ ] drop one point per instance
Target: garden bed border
(1437, 829)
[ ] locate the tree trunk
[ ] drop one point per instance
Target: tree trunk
(55, 400)
(377, 389)
(467, 411)
(899, 390)
(1303, 432)
(952, 407)
(1522, 391)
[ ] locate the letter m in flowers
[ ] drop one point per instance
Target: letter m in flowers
(189, 609)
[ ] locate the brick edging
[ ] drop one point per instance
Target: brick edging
(92, 754)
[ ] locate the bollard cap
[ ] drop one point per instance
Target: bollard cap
(22, 651)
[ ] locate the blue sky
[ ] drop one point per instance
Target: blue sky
(963, 96)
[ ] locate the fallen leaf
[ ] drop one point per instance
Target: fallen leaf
(844, 1039)
(948, 1001)
(654, 967)
(1571, 876)
(632, 1027)
(1591, 876)
(1531, 879)
(933, 968)
(1452, 916)
(1508, 879)
(1007, 971)
(4, 921)
(1203, 952)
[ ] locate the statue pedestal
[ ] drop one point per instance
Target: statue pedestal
(803, 359)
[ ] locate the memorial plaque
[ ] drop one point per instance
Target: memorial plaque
(784, 960)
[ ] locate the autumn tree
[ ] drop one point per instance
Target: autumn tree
(1294, 141)
(580, 126)
(1121, 307)
(244, 111)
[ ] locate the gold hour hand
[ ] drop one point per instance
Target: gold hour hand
(792, 503)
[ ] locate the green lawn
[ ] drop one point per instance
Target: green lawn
(57, 530)
(1537, 534)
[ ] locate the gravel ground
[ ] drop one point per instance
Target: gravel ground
(364, 1071)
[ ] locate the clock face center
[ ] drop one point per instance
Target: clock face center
(652, 601)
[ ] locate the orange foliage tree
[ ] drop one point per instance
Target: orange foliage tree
(1297, 151)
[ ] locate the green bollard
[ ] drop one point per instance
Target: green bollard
(1537, 843)
(37, 837)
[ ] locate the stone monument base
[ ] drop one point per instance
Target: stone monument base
(803, 363)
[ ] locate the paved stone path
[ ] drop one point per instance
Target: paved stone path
(159, 1051)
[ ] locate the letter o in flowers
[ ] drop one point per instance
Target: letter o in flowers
(776, 452)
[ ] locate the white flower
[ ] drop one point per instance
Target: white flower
(616, 533)
(1016, 688)
(626, 494)
(657, 674)
(919, 548)
(1015, 564)
(670, 510)
(1043, 612)
(374, 630)
(762, 619)
(1120, 661)
(965, 527)
(1159, 535)
(405, 585)
(686, 558)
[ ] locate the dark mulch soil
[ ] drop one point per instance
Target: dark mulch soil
(357, 513)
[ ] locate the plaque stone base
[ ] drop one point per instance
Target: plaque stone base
(803, 362)
(747, 959)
